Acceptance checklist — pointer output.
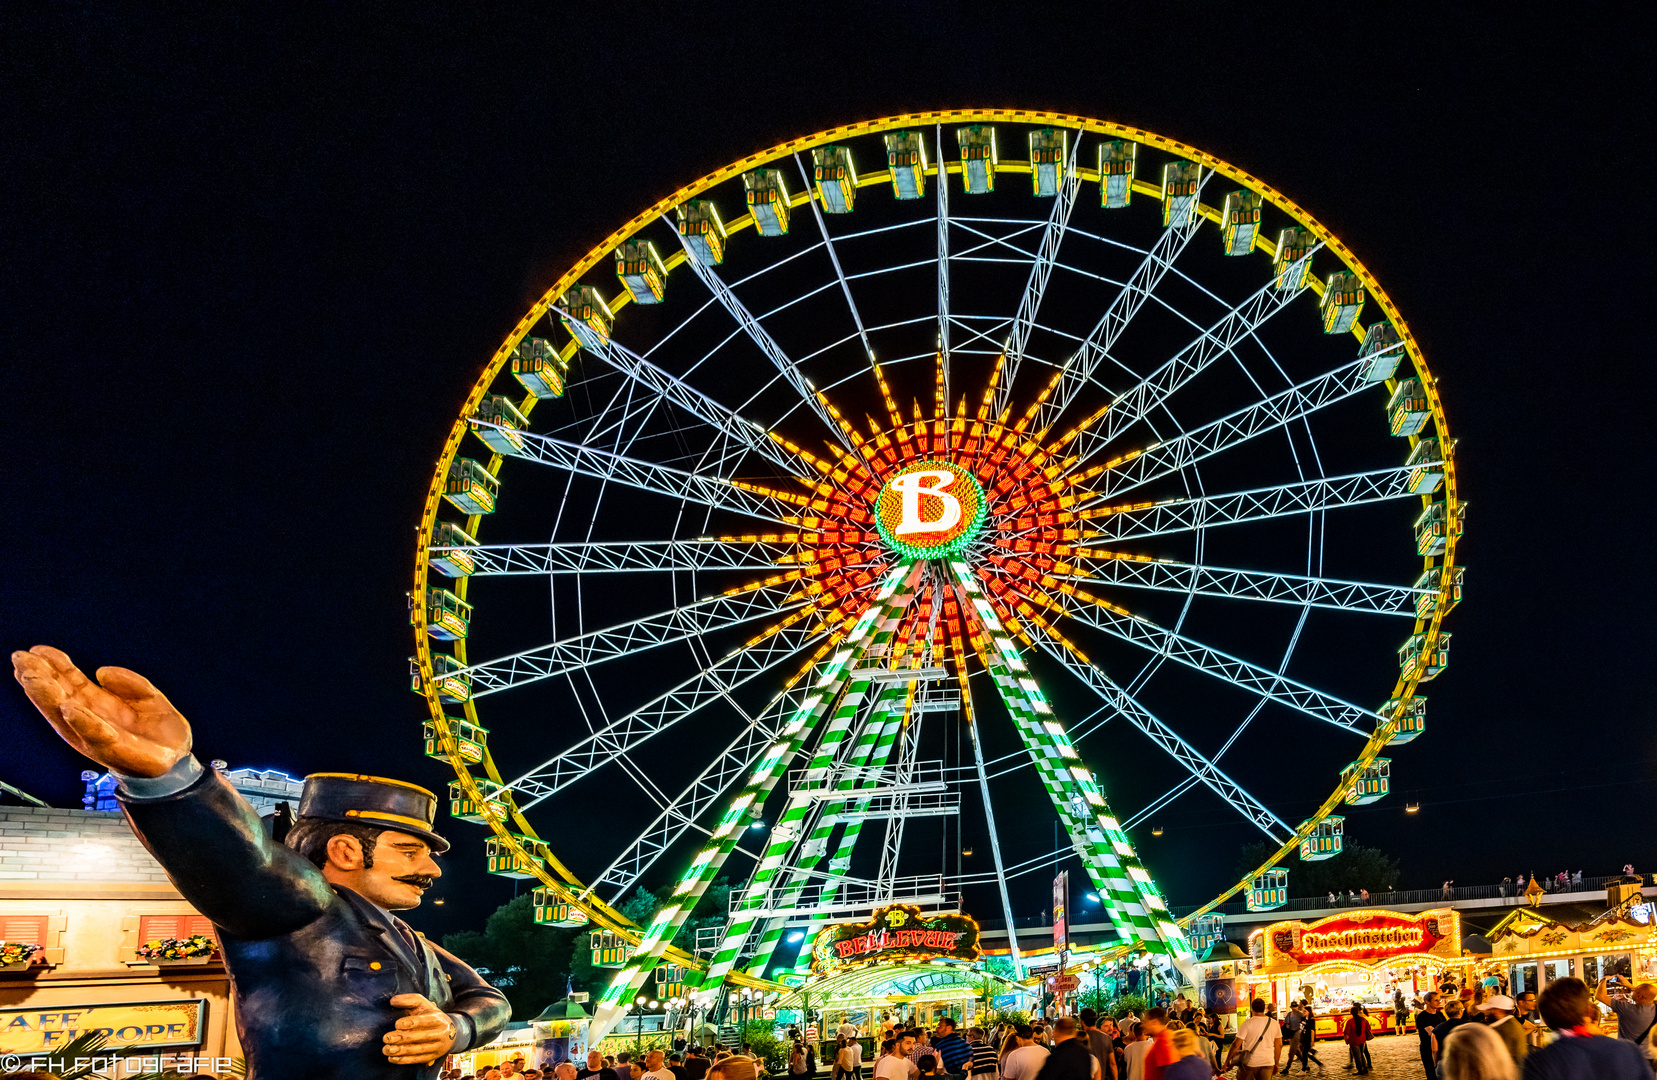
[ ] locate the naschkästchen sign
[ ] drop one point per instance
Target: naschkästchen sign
(898, 932)
(1361, 938)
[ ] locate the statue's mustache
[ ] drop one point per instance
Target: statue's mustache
(423, 881)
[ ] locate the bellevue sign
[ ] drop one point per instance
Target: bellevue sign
(898, 932)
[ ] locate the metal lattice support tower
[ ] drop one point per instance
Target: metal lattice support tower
(873, 627)
(868, 751)
(881, 632)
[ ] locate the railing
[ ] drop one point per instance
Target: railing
(1419, 896)
(841, 897)
(1393, 898)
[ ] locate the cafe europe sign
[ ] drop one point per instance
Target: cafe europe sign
(895, 933)
(1362, 938)
(128, 1026)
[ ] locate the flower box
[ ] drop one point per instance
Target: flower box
(16, 956)
(168, 952)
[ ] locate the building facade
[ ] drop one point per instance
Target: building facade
(78, 884)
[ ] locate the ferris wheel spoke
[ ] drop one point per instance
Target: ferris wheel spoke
(1040, 271)
(1170, 575)
(1271, 414)
(1132, 901)
(723, 420)
(625, 556)
(1116, 524)
(1202, 770)
(1150, 392)
(621, 736)
(757, 333)
(626, 639)
(1100, 615)
(709, 787)
(839, 274)
(1079, 368)
(942, 187)
(708, 490)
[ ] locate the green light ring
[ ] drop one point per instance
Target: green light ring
(952, 547)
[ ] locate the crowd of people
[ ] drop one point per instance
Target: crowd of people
(1475, 1034)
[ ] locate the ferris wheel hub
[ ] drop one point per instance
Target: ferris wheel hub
(930, 509)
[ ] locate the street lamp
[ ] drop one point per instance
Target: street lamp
(747, 998)
(638, 1024)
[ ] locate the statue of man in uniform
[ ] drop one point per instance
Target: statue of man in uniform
(328, 982)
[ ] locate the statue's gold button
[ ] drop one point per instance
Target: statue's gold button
(374, 966)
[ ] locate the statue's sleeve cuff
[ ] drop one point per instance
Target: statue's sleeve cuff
(186, 772)
(465, 1032)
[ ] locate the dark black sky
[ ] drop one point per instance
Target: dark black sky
(253, 259)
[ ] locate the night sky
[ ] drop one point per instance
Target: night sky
(252, 263)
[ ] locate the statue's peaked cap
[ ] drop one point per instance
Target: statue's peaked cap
(372, 800)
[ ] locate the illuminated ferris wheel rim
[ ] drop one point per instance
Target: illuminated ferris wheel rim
(559, 879)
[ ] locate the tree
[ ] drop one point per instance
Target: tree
(531, 963)
(528, 962)
(1356, 867)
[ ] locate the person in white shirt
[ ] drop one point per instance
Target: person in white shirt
(894, 1061)
(654, 1067)
(1259, 1044)
(1026, 1058)
(1133, 1057)
(847, 1030)
(849, 1058)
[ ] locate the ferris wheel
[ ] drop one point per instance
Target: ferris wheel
(862, 495)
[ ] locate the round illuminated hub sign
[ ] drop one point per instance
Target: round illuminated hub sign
(930, 509)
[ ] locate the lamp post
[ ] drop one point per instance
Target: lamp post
(747, 998)
(638, 1024)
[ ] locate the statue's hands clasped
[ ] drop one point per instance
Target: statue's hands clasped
(121, 721)
(425, 1034)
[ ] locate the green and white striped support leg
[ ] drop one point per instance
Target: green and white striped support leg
(1132, 900)
(814, 848)
(814, 701)
(885, 740)
(876, 628)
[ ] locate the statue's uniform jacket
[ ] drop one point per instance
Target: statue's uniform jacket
(314, 965)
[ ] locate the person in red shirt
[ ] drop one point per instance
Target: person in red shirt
(1162, 1054)
(1357, 1033)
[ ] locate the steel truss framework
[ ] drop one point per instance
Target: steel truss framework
(848, 653)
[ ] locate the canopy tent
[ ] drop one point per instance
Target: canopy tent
(889, 984)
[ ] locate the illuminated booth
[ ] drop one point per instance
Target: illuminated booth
(1356, 957)
(1537, 944)
(900, 959)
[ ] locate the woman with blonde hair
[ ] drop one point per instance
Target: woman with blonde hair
(734, 1067)
(1474, 1052)
(1192, 1065)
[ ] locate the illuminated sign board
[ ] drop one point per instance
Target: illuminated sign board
(898, 932)
(931, 509)
(127, 1026)
(1362, 937)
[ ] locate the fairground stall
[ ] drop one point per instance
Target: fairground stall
(1357, 957)
(899, 964)
(1537, 944)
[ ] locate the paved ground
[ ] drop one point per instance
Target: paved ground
(1396, 1057)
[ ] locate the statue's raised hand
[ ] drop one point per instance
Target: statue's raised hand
(121, 721)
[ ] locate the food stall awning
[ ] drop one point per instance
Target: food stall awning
(885, 984)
